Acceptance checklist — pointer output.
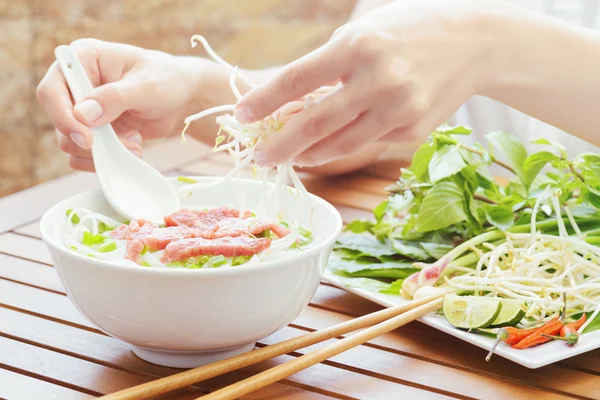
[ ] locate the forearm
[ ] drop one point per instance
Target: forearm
(546, 69)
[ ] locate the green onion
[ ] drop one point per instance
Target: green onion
(239, 260)
(108, 247)
(73, 248)
(144, 251)
(305, 232)
(284, 224)
(176, 264)
(74, 218)
(219, 140)
(91, 255)
(186, 179)
(266, 233)
(144, 264)
(98, 239)
(217, 261)
(88, 238)
(102, 227)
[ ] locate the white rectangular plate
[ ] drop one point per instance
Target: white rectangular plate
(534, 357)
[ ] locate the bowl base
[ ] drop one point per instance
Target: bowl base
(188, 359)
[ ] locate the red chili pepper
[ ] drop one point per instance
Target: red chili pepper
(569, 333)
(551, 327)
(510, 336)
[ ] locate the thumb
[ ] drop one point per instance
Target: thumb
(107, 102)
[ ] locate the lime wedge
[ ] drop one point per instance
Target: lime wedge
(470, 312)
(510, 314)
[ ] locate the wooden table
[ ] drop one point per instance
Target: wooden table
(49, 351)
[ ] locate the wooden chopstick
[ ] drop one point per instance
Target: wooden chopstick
(199, 374)
(282, 371)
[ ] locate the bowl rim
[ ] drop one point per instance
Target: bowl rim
(312, 250)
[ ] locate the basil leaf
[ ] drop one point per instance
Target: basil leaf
(455, 130)
(379, 211)
(534, 164)
(369, 284)
(560, 147)
(500, 216)
(512, 148)
(356, 269)
(365, 244)
(594, 325)
(436, 250)
(359, 226)
(420, 161)
(394, 288)
(412, 250)
(446, 162)
(442, 206)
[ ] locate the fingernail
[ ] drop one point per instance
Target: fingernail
(135, 138)
(79, 139)
(90, 110)
(261, 159)
(244, 115)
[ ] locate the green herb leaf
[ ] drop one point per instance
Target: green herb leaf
(455, 130)
(500, 216)
(380, 210)
(410, 249)
(436, 250)
(394, 289)
(446, 162)
(512, 148)
(420, 161)
(358, 269)
(365, 245)
(534, 164)
(442, 206)
(359, 226)
(369, 284)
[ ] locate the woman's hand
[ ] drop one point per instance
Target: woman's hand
(404, 69)
(145, 94)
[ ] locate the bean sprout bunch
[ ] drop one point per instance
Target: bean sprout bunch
(537, 269)
(240, 140)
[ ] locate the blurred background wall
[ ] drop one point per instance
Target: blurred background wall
(251, 33)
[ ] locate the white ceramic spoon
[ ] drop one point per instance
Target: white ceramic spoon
(131, 186)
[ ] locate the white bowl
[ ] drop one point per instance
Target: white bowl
(186, 318)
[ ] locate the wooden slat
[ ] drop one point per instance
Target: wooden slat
(332, 298)
(424, 342)
(41, 302)
(31, 229)
(58, 307)
(28, 272)
(102, 349)
(435, 377)
(70, 371)
(22, 387)
(25, 247)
